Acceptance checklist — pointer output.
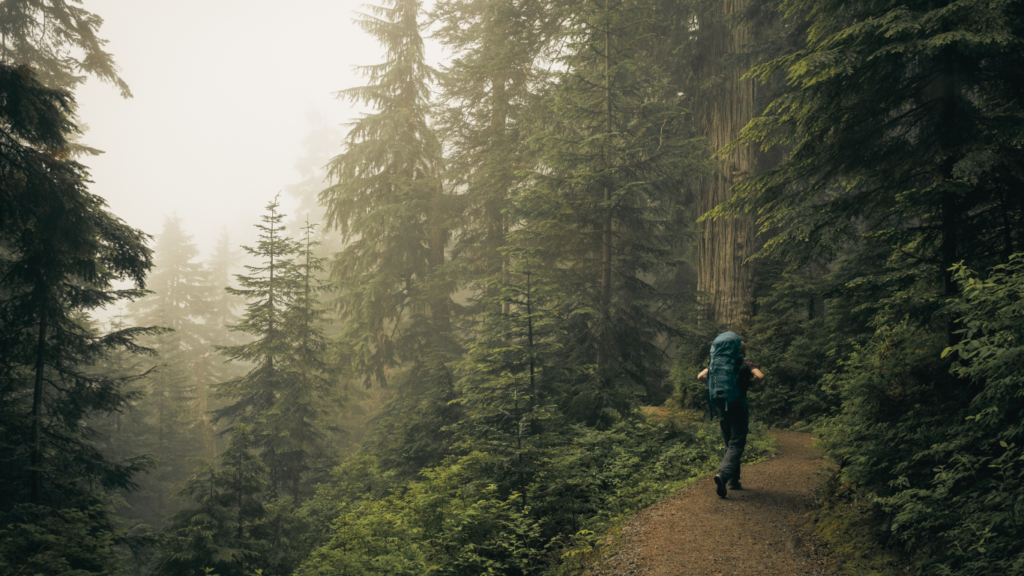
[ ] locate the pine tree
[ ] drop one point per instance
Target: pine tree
(601, 213)
(269, 287)
(387, 203)
(222, 533)
(510, 380)
(179, 286)
(488, 92)
(179, 292)
(904, 150)
(298, 419)
(58, 39)
(61, 252)
(221, 310)
(220, 314)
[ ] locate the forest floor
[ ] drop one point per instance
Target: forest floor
(760, 530)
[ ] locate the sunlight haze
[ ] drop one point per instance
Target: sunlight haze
(223, 92)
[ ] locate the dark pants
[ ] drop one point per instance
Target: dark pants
(735, 425)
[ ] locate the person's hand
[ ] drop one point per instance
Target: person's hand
(756, 378)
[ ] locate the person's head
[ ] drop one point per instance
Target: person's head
(743, 353)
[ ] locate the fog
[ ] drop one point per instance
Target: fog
(225, 92)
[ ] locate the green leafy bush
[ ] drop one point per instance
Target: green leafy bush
(58, 542)
(794, 356)
(975, 497)
(448, 523)
(456, 521)
(939, 446)
(604, 475)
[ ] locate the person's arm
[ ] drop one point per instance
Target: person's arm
(756, 377)
(703, 376)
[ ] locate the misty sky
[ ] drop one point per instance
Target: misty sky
(223, 93)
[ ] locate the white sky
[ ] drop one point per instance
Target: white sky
(222, 92)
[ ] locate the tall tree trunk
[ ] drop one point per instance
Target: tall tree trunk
(440, 310)
(725, 243)
(496, 204)
(606, 236)
(944, 108)
(202, 404)
(36, 459)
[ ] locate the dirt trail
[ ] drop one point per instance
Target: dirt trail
(755, 531)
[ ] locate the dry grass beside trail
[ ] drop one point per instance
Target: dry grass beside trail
(755, 531)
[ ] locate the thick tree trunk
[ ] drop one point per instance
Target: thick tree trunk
(725, 243)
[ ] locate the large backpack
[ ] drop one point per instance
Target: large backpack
(723, 380)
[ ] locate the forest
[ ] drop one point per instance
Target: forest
(438, 366)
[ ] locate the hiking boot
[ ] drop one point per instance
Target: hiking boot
(735, 485)
(720, 488)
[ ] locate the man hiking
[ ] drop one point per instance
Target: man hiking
(728, 378)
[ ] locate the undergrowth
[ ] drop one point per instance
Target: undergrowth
(600, 539)
(854, 531)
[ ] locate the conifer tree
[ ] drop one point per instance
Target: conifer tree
(179, 292)
(286, 394)
(221, 309)
(487, 93)
(600, 214)
(298, 419)
(270, 286)
(178, 296)
(61, 252)
(904, 150)
(509, 380)
(222, 533)
(386, 201)
(220, 313)
(58, 39)
(179, 286)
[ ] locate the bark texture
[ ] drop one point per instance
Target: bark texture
(725, 243)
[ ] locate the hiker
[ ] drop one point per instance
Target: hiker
(728, 377)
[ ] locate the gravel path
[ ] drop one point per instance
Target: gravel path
(755, 531)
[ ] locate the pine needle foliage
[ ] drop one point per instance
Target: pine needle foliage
(270, 286)
(599, 211)
(386, 201)
(58, 39)
(298, 420)
(61, 253)
(488, 92)
(510, 383)
(221, 309)
(223, 532)
(287, 393)
(175, 429)
(904, 121)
